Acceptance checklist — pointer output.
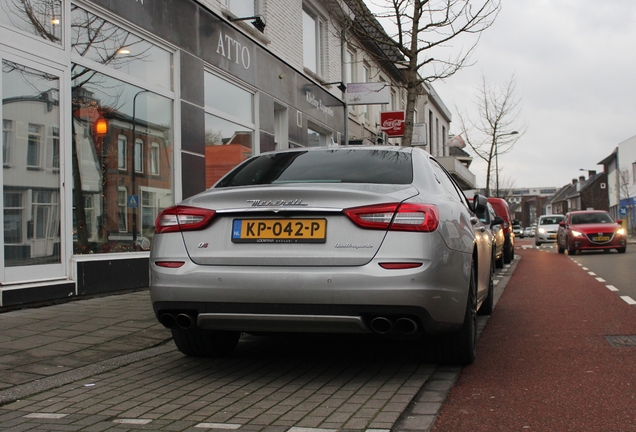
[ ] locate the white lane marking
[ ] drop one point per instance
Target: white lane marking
(585, 268)
(217, 426)
(612, 288)
(629, 300)
(591, 273)
(45, 416)
(304, 429)
(600, 279)
(133, 421)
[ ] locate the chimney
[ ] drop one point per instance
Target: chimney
(582, 178)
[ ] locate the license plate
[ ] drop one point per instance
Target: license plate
(279, 231)
(601, 239)
(552, 236)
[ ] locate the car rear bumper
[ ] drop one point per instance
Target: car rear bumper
(360, 299)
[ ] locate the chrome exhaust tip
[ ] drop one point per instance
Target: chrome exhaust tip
(381, 325)
(405, 326)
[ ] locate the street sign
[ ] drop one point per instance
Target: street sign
(133, 201)
(371, 93)
(392, 123)
(623, 211)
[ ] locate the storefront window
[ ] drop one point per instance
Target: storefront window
(96, 39)
(109, 181)
(229, 127)
(41, 18)
(31, 188)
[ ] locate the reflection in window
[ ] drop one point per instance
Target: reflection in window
(41, 18)
(30, 108)
(33, 145)
(154, 159)
(7, 141)
(229, 127)
(315, 139)
(109, 167)
(226, 145)
(122, 210)
(55, 148)
(139, 155)
(228, 98)
(108, 44)
(121, 152)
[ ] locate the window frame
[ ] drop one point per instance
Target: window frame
(319, 43)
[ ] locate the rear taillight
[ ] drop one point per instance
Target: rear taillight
(396, 217)
(183, 218)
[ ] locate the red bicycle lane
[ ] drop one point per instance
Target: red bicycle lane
(544, 361)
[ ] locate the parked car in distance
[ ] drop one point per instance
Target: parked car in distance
(528, 231)
(375, 240)
(495, 224)
(547, 227)
(590, 230)
(501, 208)
(518, 230)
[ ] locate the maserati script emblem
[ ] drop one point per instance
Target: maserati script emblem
(276, 203)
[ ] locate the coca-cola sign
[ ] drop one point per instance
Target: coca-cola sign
(392, 123)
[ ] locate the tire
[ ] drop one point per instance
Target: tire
(537, 243)
(458, 349)
(489, 303)
(201, 343)
(560, 249)
(509, 253)
(499, 263)
(621, 250)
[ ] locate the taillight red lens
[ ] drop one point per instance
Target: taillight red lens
(400, 266)
(396, 217)
(170, 264)
(183, 218)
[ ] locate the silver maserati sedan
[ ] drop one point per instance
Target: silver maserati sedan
(349, 240)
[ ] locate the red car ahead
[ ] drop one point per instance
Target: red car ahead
(590, 230)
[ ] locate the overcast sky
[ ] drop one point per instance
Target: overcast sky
(575, 67)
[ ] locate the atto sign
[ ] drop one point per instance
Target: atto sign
(392, 123)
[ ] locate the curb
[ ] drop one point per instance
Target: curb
(421, 413)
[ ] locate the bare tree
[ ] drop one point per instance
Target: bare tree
(413, 35)
(494, 133)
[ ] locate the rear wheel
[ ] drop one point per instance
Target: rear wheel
(509, 253)
(621, 250)
(459, 348)
(201, 343)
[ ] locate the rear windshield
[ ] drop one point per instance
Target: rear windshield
(329, 166)
(591, 218)
(551, 220)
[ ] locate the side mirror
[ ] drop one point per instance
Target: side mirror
(619, 221)
(479, 203)
(562, 223)
(498, 220)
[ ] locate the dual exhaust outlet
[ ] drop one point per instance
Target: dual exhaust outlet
(402, 326)
(182, 320)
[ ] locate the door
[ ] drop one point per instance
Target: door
(31, 174)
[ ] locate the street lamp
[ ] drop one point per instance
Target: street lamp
(497, 157)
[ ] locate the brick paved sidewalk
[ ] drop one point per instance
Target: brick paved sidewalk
(46, 346)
